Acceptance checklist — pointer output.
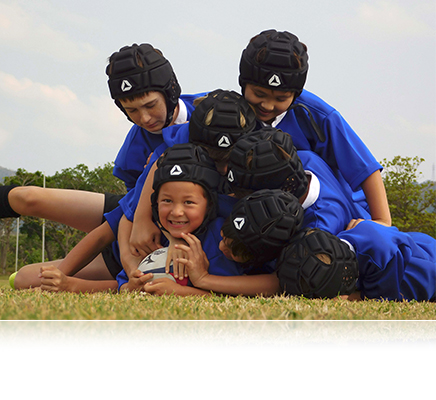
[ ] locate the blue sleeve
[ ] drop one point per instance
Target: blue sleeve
(113, 218)
(176, 134)
(345, 149)
(130, 201)
(342, 150)
(133, 155)
(393, 265)
(122, 279)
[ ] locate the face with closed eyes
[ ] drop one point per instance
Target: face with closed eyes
(267, 103)
(148, 112)
(182, 207)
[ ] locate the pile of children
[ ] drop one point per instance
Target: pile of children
(262, 193)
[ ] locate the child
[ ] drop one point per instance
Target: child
(267, 159)
(369, 261)
(259, 225)
(185, 201)
(273, 70)
(144, 86)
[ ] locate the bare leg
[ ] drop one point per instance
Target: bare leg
(27, 276)
(76, 208)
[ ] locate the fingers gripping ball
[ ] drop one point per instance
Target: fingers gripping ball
(155, 263)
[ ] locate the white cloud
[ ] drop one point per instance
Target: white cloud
(66, 129)
(387, 19)
(22, 30)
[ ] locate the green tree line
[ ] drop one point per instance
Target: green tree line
(412, 205)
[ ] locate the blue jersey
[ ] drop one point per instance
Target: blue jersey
(218, 263)
(343, 150)
(328, 205)
(139, 144)
(393, 265)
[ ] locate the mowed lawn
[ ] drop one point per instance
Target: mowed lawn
(37, 305)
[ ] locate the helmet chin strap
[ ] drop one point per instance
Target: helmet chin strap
(319, 133)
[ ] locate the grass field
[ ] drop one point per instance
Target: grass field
(28, 305)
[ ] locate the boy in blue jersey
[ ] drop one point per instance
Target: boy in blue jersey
(369, 261)
(273, 71)
(184, 202)
(145, 88)
(267, 158)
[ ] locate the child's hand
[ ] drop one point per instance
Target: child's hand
(162, 286)
(145, 238)
(53, 280)
(195, 261)
(136, 281)
(173, 255)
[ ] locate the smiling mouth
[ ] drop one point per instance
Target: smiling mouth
(178, 223)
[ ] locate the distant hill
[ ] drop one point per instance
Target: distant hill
(4, 172)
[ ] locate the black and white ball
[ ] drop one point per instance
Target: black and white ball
(155, 263)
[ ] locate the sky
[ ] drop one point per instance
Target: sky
(374, 61)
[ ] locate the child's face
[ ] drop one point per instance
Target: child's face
(224, 247)
(267, 103)
(182, 207)
(148, 112)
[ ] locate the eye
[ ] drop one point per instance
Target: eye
(150, 105)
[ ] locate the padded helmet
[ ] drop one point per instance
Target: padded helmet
(225, 126)
(191, 163)
(269, 169)
(265, 221)
(138, 69)
(300, 272)
(270, 60)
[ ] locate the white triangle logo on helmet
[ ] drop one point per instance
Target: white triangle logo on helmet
(126, 85)
(274, 81)
(239, 223)
(224, 141)
(176, 170)
(230, 176)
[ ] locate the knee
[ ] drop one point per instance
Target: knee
(26, 200)
(27, 277)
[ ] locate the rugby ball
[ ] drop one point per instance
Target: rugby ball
(155, 263)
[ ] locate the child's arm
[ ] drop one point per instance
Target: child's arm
(61, 279)
(87, 249)
(375, 193)
(129, 261)
(163, 286)
(247, 285)
(145, 235)
(54, 280)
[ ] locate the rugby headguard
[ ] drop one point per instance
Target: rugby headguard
(191, 163)
(275, 60)
(301, 272)
(138, 69)
(265, 222)
(257, 161)
(220, 119)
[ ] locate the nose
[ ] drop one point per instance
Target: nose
(144, 117)
(177, 210)
(267, 105)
